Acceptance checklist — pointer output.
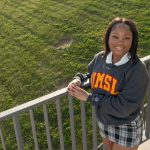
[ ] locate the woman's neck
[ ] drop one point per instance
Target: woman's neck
(115, 59)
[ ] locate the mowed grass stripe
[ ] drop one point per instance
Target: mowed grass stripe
(32, 33)
(43, 9)
(14, 59)
(37, 52)
(10, 64)
(33, 26)
(20, 36)
(26, 40)
(42, 30)
(78, 12)
(20, 72)
(36, 17)
(33, 22)
(27, 74)
(42, 55)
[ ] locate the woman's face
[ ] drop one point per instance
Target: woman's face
(120, 40)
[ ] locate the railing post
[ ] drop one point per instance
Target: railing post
(2, 139)
(47, 125)
(83, 120)
(34, 129)
(147, 132)
(59, 119)
(104, 147)
(72, 124)
(94, 128)
(18, 132)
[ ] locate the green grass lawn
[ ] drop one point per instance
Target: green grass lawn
(31, 66)
(30, 63)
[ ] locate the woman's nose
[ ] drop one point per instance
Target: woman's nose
(120, 41)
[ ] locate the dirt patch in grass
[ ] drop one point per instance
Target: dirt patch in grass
(63, 43)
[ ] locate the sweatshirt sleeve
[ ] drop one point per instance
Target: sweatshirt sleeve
(128, 100)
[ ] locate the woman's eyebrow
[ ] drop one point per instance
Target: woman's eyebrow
(127, 34)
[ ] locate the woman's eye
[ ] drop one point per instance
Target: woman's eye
(127, 38)
(115, 37)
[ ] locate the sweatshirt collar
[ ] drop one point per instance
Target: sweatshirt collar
(122, 61)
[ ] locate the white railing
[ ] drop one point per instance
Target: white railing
(13, 114)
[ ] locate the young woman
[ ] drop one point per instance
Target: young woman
(118, 81)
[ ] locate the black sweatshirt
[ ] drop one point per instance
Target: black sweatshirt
(117, 91)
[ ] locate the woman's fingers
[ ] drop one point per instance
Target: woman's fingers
(71, 86)
(78, 93)
(74, 91)
(77, 88)
(74, 94)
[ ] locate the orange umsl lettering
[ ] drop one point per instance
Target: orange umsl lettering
(107, 83)
(99, 80)
(114, 82)
(93, 79)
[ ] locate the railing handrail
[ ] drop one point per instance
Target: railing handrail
(37, 102)
(145, 59)
(31, 104)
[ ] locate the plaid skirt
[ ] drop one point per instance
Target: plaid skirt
(128, 135)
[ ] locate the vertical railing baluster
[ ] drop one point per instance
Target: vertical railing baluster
(105, 147)
(72, 124)
(94, 127)
(33, 130)
(2, 139)
(147, 132)
(83, 120)
(18, 132)
(59, 119)
(47, 127)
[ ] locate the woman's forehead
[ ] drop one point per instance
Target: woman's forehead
(121, 27)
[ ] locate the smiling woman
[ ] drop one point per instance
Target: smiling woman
(31, 66)
(115, 76)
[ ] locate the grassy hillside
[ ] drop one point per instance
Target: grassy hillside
(30, 63)
(33, 61)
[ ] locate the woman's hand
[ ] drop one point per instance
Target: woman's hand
(78, 93)
(75, 82)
